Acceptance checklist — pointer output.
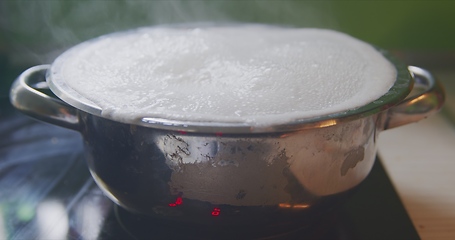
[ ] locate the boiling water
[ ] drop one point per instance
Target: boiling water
(253, 74)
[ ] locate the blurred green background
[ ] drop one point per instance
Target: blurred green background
(35, 32)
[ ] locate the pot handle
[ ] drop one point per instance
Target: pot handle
(425, 99)
(25, 97)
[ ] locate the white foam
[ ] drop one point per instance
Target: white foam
(246, 73)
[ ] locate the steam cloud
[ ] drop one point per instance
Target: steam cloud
(38, 31)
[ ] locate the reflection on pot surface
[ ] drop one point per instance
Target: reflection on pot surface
(219, 169)
(147, 170)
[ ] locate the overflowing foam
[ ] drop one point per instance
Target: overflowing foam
(252, 74)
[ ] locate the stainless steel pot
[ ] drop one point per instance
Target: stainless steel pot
(222, 174)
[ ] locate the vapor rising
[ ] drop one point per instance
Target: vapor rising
(38, 31)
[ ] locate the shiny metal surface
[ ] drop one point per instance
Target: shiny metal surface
(145, 169)
(427, 98)
(260, 178)
(26, 98)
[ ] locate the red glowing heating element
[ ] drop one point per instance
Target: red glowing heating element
(216, 212)
(177, 202)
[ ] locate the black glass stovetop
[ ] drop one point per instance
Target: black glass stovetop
(46, 192)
